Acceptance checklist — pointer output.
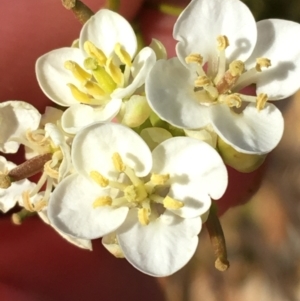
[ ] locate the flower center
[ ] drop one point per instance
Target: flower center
(145, 195)
(223, 85)
(100, 75)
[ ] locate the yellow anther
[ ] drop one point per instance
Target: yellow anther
(99, 179)
(236, 68)
(50, 171)
(143, 216)
(262, 62)
(194, 58)
(95, 52)
(26, 201)
(5, 181)
(102, 201)
(122, 54)
(40, 205)
(223, 43)
(202, 81)
(233, 100)
(159, 179)
(94, 89)
(79, 73)
(135, 193)
(261, 101)
(115, 72)
(118, 162)
(79, 95)
(171, 203)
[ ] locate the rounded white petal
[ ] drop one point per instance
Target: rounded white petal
(79, 242)
(170, 93)
(53, 77)
(252, 131)
(58, 139)
(51, 115)
(105, 29)
(196, 171)
(162, 247)
(70, 209)
(78, 115)
(16, 117)
(10, 196)
(278, 40)
(141, 66)
(199, 25)
(94, 146)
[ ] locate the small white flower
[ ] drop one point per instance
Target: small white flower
(220, 51)
(151, 201)
(11, 195)
(16, 118)
(103, 71)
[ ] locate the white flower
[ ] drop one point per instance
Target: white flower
(16, 118)
(100, 73)
(220, 51)
(11, 195)
(151, 201)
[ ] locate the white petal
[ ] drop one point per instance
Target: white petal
(105, 29)
(51, 115)
(71, 209)
(53, 77)
(94, 146)
(170, 92)
(79, 242)
(78, 115)
(111, 244)
(199, 25)
(278, 40)
(250, 132)
(196, 171)
(59, 140)
(159, 49)
(141, 66)
(16, 117)
(162, 247)
(10, 196)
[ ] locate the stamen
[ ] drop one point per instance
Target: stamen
(223, 42)
(194, 58)
(118, 162)
(95, 52)
(79, 73)
(39, 184)
(160, 179)
(19, 217)
(50, 171)
(261, 101)
(232, 100)
(115, 72)
(94, 89)
(99, 179)
(236, 68)
(205, 83)
(262, 62)
(79, 95)
(102, 201)
(26, 201)
(171, 203)
(122, 54)
(143, 216)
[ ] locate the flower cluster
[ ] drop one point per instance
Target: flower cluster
(137, 154)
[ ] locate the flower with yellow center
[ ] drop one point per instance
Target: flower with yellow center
(221, 50)
(16, 118)
(94, 79)
(152, 201)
